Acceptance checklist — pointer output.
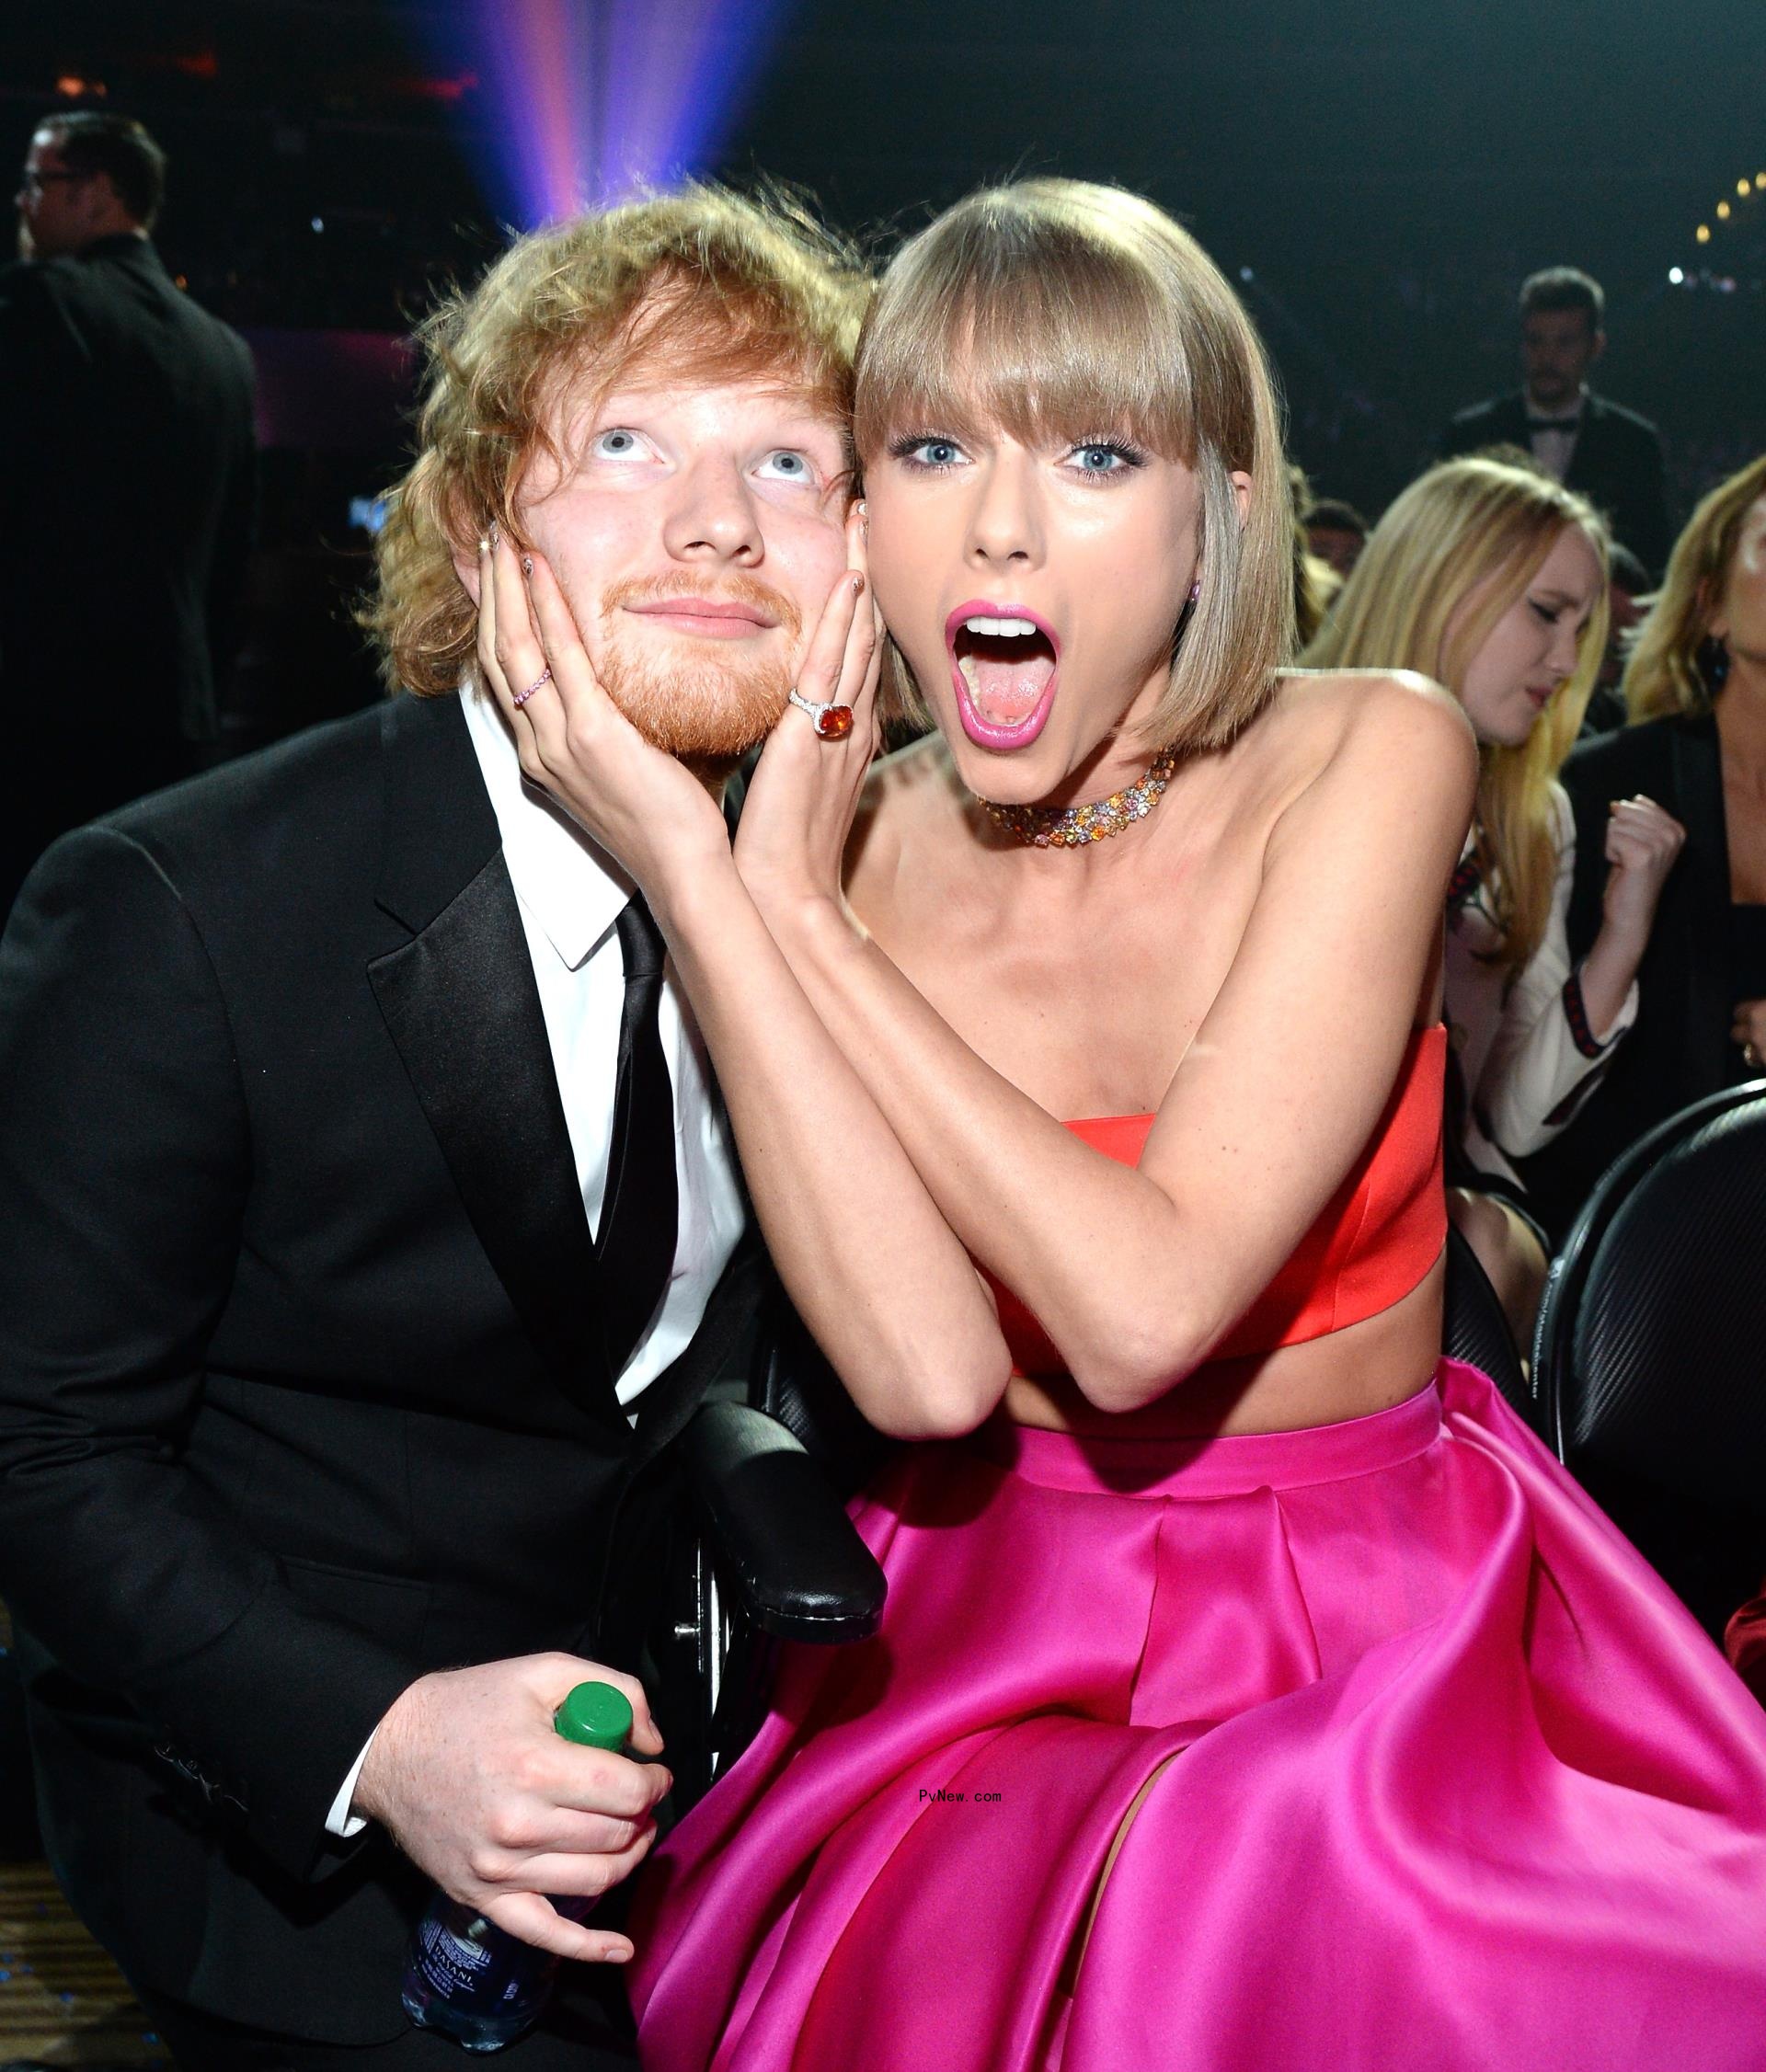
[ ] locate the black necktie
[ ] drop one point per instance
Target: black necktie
(634, 1244)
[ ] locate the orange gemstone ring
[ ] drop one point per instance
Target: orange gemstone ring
(831, 723)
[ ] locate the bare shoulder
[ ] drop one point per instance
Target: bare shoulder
(1395, 723)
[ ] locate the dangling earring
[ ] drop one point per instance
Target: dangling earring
(1195, 589)
(1712, 660)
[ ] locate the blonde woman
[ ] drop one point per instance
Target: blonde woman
(1492, 578)
(1253, 1690)
(1695, 690)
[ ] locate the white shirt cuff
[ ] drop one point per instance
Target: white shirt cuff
(340, 1821)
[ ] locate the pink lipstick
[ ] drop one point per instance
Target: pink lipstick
(1004, 668)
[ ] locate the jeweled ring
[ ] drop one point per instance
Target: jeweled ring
(832, 722)
(539, 683)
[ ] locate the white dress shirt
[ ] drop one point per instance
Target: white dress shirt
(1553, 450)
(570, 894)
(1526, 1072)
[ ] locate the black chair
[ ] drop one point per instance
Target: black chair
(1474, 1328)
(763, 1548)
(1651, 1349)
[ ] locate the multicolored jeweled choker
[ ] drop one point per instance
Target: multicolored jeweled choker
(1070, 826)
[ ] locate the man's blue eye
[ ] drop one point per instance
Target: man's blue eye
(787, 465)
(615, 444)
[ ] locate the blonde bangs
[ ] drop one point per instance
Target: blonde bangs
(1046, 335)
(1057, 311)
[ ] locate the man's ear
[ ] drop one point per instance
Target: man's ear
(1599, 346)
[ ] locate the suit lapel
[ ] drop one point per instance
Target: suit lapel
(461, 1005)
(1698, 793)
(1507, 422)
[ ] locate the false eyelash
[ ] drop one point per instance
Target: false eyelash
(1123, 449)
(901, 446)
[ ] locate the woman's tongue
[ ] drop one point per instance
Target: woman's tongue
(1005, 693)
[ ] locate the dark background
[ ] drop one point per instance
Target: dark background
(1386, 173)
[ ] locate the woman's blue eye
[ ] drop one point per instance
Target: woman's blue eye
(1106, 456)
(927, 452)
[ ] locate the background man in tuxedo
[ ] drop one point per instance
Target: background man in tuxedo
(1610, 453)
(126, 491)
(372, 1222)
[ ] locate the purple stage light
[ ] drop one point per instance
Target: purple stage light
(583, 102)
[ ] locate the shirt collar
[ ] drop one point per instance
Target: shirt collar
(571, 885)
(1535, 410)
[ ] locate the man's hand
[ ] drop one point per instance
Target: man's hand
(469, 1777)
(1749, 1029)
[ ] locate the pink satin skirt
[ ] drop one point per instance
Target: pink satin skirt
(1459, 1784)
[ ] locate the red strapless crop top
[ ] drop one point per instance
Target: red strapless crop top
(1376, 1239)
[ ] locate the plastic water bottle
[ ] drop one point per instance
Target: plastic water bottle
(469, 1979)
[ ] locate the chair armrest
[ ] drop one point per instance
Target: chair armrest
(776, 1531)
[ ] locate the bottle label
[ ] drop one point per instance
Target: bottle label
(474, 1966)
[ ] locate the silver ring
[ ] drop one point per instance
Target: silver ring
(832, 722)
(539, 683)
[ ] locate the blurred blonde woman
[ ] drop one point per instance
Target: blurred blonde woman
(1695, 689)
(1492, 578)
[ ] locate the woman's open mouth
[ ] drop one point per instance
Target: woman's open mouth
(1003, 664)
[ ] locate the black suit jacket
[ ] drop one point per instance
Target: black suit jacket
(1678, 1049)
(1616, 463)
(301, 1389)
(125, 497)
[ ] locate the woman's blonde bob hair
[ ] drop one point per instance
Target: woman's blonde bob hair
(1663, 674)
(1447, 561)
(1058, 310)
(700, 284)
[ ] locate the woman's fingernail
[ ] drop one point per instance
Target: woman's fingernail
(858, 585)
(484, 547)
(527, 565)
(496, 533)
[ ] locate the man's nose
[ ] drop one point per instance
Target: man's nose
(713, 515)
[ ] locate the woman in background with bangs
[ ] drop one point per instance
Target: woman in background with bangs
(1253, 1690)
(1492, 578)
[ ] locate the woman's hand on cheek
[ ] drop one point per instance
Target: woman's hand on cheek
(805, 790)
(648, 812)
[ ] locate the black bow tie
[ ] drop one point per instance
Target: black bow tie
(1554, 424)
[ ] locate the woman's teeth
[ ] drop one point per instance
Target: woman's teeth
(1016, 629)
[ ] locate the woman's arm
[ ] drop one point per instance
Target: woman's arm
(888, 1292)
(1559, 1024)
(1135, 1274)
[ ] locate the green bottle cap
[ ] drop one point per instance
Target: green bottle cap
(597, 1716)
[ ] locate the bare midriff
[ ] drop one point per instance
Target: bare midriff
(1363, 1368)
